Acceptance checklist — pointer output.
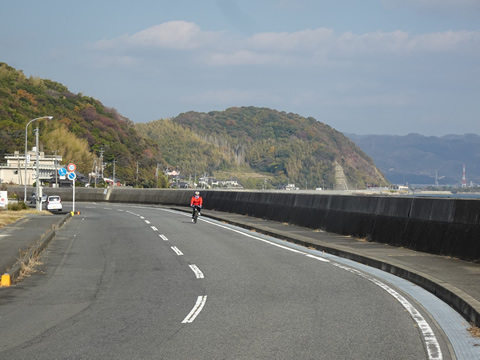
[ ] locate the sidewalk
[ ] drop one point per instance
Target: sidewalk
(25, 237)
(455, 281)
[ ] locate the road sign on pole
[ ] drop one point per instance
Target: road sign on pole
(62, 171)
(72, 176)
(71, 167)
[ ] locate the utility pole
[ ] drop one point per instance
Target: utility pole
(56, 179)
(114, 181)
(136, 179)
(37, 180)
(156, 174)
(101, 160)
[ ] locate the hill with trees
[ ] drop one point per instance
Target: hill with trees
(82, 130)
(259, 147)
(259, 144)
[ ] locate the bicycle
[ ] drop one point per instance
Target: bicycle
(195, 214)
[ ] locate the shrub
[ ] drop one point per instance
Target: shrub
(17, 206)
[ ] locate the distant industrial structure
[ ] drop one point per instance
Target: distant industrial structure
(464, 178)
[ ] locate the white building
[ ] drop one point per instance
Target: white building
(13, 172)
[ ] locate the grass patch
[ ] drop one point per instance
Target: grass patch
(11, 216)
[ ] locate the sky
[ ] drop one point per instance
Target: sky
(361, 66)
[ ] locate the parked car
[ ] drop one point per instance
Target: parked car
(54, 202)
(33, 198)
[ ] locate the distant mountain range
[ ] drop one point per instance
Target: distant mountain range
(424, 160)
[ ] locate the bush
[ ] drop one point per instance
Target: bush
(17, 206)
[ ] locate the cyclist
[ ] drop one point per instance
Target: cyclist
(196, 202)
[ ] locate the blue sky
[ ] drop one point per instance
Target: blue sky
(365, 67)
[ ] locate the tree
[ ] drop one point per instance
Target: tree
(72, 149)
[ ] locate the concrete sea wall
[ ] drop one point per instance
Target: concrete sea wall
(442, 226)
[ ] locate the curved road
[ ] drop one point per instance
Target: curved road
(131, 282)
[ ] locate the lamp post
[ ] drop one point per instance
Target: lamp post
(26, 134)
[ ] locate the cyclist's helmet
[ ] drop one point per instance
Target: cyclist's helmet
(197, 193)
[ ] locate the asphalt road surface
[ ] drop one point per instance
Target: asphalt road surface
(132, 282)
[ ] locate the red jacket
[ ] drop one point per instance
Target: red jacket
(196, 201)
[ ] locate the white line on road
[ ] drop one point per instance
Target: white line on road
(196, 310)
(433, 347)
(197, 271)
(317, 258)
(430, 340)
(148, 222)
(154, 228)
(177, 250)
(255, 237)
(164, 238)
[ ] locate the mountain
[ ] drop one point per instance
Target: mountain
(284, 147)
(258, 146)
(423, 160)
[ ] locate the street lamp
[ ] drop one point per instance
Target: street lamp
(26, 134)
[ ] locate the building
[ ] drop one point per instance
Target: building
(13, 172)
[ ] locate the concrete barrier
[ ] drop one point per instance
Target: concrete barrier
(447, 226)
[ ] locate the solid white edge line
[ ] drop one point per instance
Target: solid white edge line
(431, 343)
(433, 347)
(196, 310)
(256, 238)
(317, 258)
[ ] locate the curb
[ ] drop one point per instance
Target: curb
(9, 277)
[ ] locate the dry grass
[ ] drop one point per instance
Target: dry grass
(9, 216)
(474, 331)
(28, 270)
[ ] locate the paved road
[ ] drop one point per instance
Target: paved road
(127, 282)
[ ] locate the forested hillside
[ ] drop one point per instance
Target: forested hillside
(82, 129)
(284, 147)
(259, 147)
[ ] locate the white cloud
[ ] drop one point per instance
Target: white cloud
(316, 47)
(180, 35)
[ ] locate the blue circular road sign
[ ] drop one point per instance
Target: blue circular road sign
(62, 171)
